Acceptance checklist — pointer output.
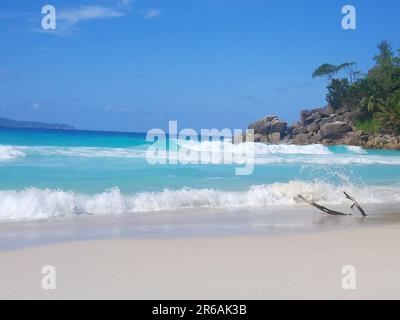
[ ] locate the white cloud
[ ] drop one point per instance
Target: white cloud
(125, 3)
(71, 17)
(152, 13)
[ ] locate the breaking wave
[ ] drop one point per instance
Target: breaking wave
(259, 148)
(356, 149)
(140, 152)
(263, 154)
(8, 153)
(34, 204)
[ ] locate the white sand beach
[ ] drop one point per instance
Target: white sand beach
(199, 150)
(282, 266)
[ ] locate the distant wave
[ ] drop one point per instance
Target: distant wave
(8, 153)
(33, 204)
(336, 159)
(356, 149)
(264, 154)
(259, 148)
(88, 152)
(140, 151)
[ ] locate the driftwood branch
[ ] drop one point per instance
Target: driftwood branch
(333, 212)
(356, 204)
(323, 209)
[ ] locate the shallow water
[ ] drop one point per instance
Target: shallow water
(191, 223)
(46, 174)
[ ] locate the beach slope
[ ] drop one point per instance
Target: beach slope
(301, 266)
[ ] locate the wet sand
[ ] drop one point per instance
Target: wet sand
(235, 255)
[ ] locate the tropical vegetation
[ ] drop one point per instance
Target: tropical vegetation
(373, 96)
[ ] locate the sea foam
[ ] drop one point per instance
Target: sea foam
(33, 204)
(9, 152)
(259, 148)
(264, 154)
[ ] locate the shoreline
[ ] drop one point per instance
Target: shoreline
(191, 223)
(285, 266)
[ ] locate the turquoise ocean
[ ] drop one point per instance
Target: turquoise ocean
(46, 174)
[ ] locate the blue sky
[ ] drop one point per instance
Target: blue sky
(134, 65)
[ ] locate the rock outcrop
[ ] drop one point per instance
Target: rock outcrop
(269, 129)
(269, 125)
(335, 130)
(321, 126)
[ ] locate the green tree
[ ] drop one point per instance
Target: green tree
(337, 92)
(383, 73)
(353, 73)
(331, 70)
(385, 56)
(374, 97)
(388, 113)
